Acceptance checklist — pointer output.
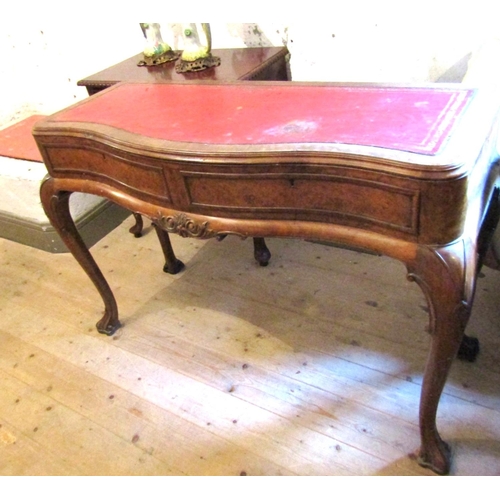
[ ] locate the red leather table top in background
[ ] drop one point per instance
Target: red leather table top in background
(17, 140)
(416, 120)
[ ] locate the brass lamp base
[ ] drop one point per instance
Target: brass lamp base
(156, 60)
(209, 61)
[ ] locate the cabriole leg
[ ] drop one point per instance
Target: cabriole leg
(172, 264)
(441, 275)
(56, 206)
(446, 338)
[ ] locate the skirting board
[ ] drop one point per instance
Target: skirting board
(21, 216)
(93, 225)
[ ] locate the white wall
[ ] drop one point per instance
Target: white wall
(41, 61)
(406, 44)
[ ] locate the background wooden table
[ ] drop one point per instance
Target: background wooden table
(251, 63)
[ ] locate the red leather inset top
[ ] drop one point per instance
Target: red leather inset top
(417, 120)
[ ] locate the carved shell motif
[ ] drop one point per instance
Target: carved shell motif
(182, 225)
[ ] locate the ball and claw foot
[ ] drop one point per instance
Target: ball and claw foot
(437, 459)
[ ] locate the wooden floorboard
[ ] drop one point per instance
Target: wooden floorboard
(309, 366)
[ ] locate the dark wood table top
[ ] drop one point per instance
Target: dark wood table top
(236, 64)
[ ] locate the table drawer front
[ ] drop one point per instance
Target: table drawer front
(327, 198)
(128, 173)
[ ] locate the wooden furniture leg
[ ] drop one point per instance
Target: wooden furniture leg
(136, 229)
(56, 205)
(261, 252)
(172, 264)
(441, 274)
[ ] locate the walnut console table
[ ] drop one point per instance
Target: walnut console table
(407, 172)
